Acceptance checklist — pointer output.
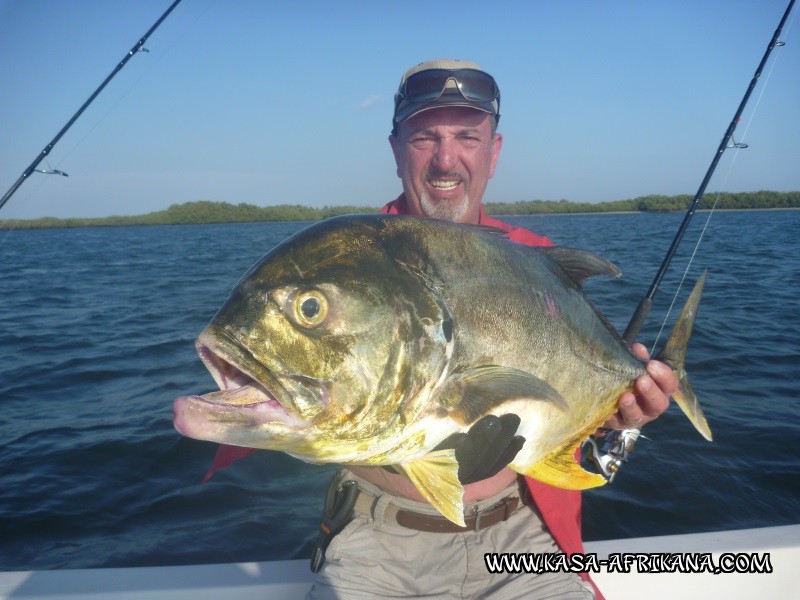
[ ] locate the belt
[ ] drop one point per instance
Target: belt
(410, 519)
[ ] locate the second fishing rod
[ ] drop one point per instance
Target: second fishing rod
(610, 451)
(638, 318)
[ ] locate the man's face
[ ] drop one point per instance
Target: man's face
(445, 157)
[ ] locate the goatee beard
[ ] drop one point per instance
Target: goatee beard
(443, 210)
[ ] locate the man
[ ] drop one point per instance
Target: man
(446, 148)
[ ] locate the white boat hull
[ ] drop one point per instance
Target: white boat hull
(291, 579)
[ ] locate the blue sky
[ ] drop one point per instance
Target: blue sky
(290, 102)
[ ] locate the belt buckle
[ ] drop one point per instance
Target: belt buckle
(477, 525)
(507, 504)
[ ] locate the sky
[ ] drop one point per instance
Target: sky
(290, 102)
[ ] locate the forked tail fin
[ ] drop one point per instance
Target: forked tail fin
(674, 354)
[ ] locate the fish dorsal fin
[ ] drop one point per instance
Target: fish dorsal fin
(476, 391)
(579, 265)
(560, 469)
(480, 227)
(436, 477)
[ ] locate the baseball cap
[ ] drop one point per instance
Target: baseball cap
(445, 82)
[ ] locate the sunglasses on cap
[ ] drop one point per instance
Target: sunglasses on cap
(429, 85)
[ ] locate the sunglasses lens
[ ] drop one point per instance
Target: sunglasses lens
(430, 84)
(426, 85)
(479, 86)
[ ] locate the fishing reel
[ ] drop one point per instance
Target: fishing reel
(608, 450)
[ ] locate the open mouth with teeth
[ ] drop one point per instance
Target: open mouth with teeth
(444, 185)
(242, 404)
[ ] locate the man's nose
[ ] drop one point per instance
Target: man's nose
(445, 157)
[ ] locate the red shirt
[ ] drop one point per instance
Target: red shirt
(515, 234)
(560, 509)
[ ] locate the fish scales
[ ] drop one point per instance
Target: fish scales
(367, 340)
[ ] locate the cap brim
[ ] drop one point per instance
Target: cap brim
(407, 110)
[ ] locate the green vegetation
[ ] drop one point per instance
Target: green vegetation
(201, 212)
(744, 200)
(205, 211)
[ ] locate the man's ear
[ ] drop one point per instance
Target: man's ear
(394, 142)
(497, 144)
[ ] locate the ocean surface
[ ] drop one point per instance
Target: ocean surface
(96, 340)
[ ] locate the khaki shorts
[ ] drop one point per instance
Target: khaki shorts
(371, 558)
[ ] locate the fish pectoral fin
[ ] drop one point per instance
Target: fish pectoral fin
(560, 469)
(478, 390)
(436, 477)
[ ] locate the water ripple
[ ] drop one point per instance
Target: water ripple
(96, 340)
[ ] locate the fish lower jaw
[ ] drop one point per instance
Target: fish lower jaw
(273, 412)
(200, 417)
(239, 388)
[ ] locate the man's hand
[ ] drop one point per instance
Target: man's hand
(650, 397)
(486, 448)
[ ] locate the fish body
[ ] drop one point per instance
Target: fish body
(367, 340)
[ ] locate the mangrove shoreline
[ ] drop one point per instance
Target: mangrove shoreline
(208, 212)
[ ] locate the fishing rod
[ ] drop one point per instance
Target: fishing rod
(609, 451)
(137, 47)
(643, 309)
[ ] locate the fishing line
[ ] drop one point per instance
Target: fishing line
(691, 259)
(46, 150)
(737, 147)
(103, 117)
(7, 231)
(646, 303)
(617, 444)
(151, 65)
(159, 57)
(139, 46)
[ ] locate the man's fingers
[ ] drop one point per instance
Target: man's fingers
(663, 377)
(629, 414)
(640, 350)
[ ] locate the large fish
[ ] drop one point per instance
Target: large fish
(367, 340)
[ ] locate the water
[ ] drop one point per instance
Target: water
(96, 340)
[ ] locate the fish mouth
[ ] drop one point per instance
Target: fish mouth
(245, 400)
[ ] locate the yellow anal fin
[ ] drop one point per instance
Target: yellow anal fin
(436, 477)
(560, 469)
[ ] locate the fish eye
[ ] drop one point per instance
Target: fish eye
(310, 308)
